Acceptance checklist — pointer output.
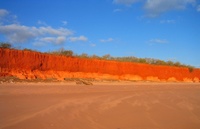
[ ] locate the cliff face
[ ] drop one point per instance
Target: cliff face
(26, 64)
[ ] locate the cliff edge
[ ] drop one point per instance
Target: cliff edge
(33, 65)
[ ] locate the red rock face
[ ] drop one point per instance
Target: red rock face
(26, 64)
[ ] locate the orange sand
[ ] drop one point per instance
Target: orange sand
(102, 106)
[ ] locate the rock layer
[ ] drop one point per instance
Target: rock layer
(31, 65)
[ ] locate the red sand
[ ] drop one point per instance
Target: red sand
(102, 106)
(31, 65)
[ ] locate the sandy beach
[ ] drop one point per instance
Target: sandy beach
(109, 105)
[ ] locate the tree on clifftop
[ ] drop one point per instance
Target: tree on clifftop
(5, 45)
(67, 53)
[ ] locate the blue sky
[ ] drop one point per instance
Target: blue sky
(161, 29)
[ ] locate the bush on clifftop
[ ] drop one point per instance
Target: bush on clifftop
(5, 45)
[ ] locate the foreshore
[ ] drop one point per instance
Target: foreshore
(103, 105)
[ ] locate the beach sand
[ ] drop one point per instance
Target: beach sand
(105, 105)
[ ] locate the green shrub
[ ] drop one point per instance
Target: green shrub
(67, 53)
(5, 45)
(190, 68)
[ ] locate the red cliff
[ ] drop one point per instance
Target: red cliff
(31, 65)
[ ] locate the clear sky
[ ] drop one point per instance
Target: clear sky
(161, 29)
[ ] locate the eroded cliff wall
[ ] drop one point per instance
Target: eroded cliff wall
(27, 64)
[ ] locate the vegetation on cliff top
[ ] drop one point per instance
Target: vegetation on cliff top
(70, 53)
(5, 45)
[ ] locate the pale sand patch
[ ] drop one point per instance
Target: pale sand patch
(105, 105)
